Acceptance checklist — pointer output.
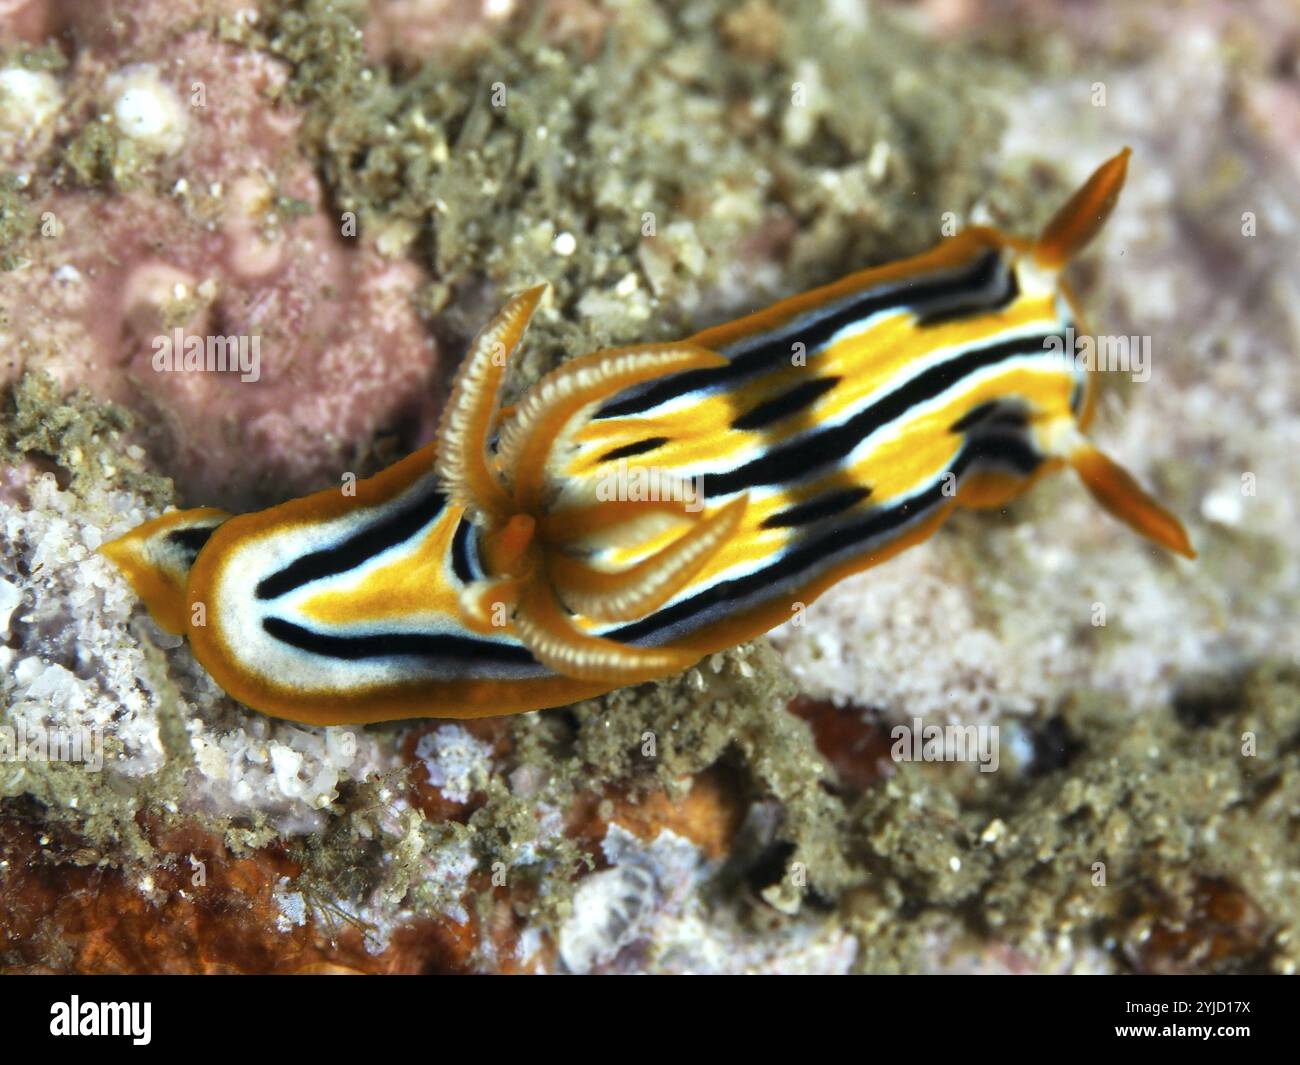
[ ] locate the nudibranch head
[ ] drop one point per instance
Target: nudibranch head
(157, 557)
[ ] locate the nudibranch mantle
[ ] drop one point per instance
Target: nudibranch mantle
(642, 507)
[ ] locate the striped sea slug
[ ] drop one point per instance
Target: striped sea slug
(527, 558)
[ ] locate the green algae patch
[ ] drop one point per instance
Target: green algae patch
(17, 223)
(1162, 846)
(46, 57)
(87, 441)
(91, 157)
(731, 709)
(653, 175)
(99, 155)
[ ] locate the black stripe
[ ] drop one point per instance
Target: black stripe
(193, 539)
(799, 459)
(813, 330)
(1009, 450)
(638, 448)
(996, 412)
(788, 403)
(1076, 398)
(406, 644)
(1004, 292)
(816, 509)
(352, 552)
(464, 553)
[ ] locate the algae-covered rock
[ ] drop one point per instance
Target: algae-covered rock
(361, 189)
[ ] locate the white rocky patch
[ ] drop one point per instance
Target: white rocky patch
(646, 914)
(28, 100)
(146, 110)
(457, 762)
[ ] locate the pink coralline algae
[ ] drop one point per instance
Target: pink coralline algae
(205, 224)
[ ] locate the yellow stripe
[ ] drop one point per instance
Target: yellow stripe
(413, 589)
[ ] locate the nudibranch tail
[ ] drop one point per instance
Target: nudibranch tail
(156, 558)
(1083, 215)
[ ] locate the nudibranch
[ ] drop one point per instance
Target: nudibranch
(642, 507)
